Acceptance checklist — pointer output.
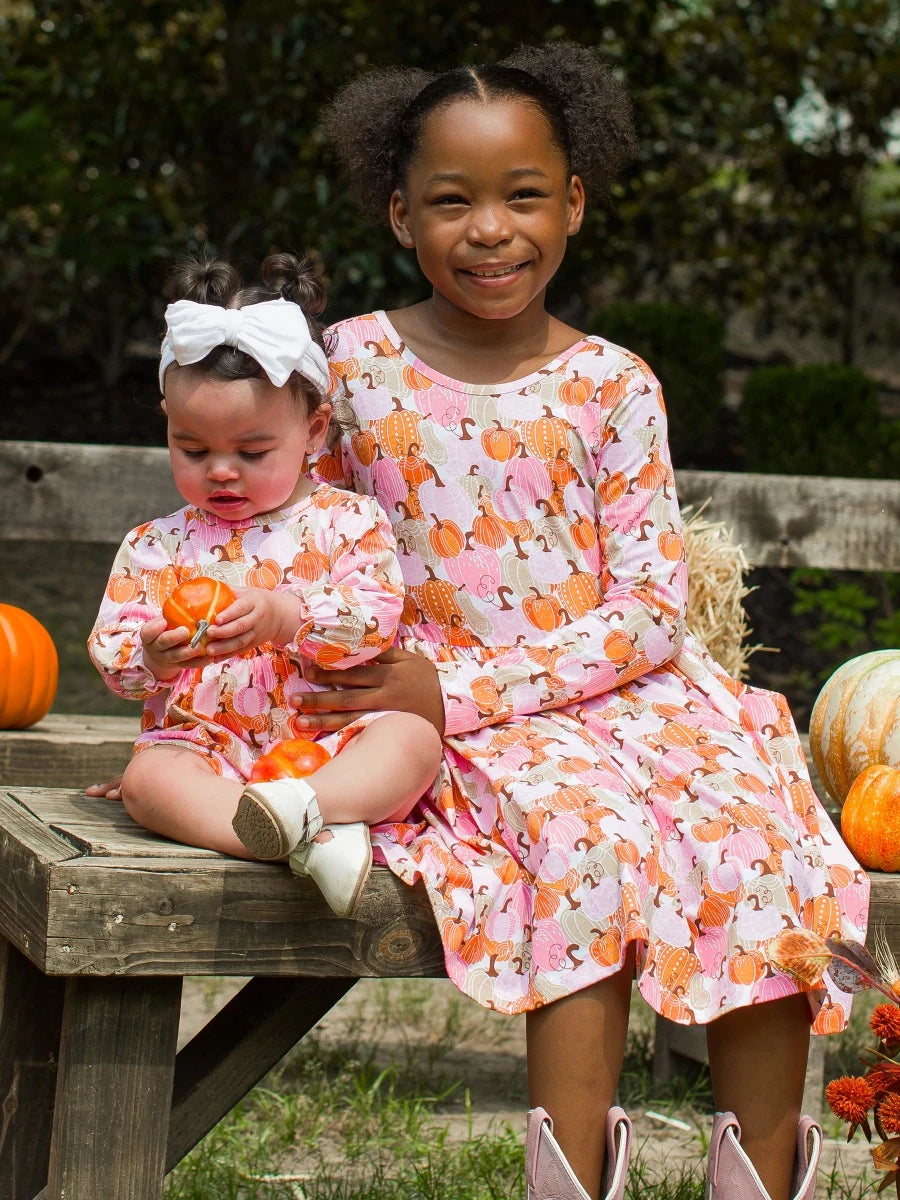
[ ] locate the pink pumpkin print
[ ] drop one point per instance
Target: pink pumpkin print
(549, 946)
(477, 570)
(529, 475)
(390, 486)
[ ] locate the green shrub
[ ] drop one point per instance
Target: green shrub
(682, 344)
(816, 420)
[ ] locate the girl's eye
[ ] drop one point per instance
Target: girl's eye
(253, 455)
(445, 200)
(194, 455)
(528, 194)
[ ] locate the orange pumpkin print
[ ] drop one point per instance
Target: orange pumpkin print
(613, 487)
(265, 573)
(546, 438)
(576, 391)
(671, 545)
(542, 611)
(499, 443)
(446, 538)
(584, 535)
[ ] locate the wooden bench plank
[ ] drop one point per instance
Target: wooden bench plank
(781, 520)
(27, 851)
(225, 917)
(67, 751)
(803, 520)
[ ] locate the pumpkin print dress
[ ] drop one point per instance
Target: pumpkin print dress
(604, 781)
(333, 549)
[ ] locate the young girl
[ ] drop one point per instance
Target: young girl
(244, 380)
(611, 804)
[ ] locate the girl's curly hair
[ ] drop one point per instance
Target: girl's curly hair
(214, 281)
(375, 121)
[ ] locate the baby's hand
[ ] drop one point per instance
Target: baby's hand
(167, 652)
(256, 617)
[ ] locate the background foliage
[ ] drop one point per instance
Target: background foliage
(130, 131)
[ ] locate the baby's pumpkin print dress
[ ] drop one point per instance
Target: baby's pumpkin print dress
(334, 550)
(604, 781)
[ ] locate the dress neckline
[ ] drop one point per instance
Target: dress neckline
(460, 385)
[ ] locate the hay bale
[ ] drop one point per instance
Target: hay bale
(716, 569)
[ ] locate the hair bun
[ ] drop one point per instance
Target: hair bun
(597, 107)
(203, 280)
(299, 279)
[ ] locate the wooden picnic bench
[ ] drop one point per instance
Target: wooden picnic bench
(100, 921)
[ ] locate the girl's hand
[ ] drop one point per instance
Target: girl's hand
(256, 617)
(396, 679)
(168, 652)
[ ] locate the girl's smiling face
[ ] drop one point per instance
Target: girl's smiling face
(488, 205)
(237, 446)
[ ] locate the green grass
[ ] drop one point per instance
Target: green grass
(344, 1117)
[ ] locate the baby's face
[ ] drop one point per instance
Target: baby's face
(238, 447)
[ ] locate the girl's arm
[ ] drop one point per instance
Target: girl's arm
(639, 624)
(141, 575)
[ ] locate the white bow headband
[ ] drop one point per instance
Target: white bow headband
(273, 332)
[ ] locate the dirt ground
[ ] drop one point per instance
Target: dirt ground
(488, 1055)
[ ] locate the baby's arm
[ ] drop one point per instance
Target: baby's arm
(346, 616)
(127, 644)
(639, 623)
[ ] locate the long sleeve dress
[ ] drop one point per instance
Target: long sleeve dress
(334, 550)
(604, 781)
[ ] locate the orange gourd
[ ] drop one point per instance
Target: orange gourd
(194, 605)
(870, 818)
(291, 759)
(29, 668)
(855, 722)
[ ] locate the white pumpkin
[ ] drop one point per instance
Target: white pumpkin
(855, 722)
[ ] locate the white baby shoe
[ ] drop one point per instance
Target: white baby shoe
(338, 861)
(281, 819)
(273, 818)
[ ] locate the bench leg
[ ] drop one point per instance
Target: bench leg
(238, 1047)
(114, 1088)
(31, 1008)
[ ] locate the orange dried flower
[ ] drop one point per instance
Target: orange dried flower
(885, 1022)
(885, 1077)
(800, 953)
(888, 1113)
(850, 1098)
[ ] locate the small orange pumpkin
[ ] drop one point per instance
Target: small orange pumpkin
(870, 818)
(194, 604)
(29, 668)
(291, 759)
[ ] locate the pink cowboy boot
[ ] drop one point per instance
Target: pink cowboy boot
(732, 1176)
(549, 1177)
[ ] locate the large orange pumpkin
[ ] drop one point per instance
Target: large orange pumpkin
(870, 818)
(855, 722)
(29, 668)
(290, 759)
(193, 605)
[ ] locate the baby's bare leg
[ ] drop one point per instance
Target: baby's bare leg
(380, 773)
(173, 791)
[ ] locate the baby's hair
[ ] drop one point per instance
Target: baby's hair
(375, 121)
(214, 281)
